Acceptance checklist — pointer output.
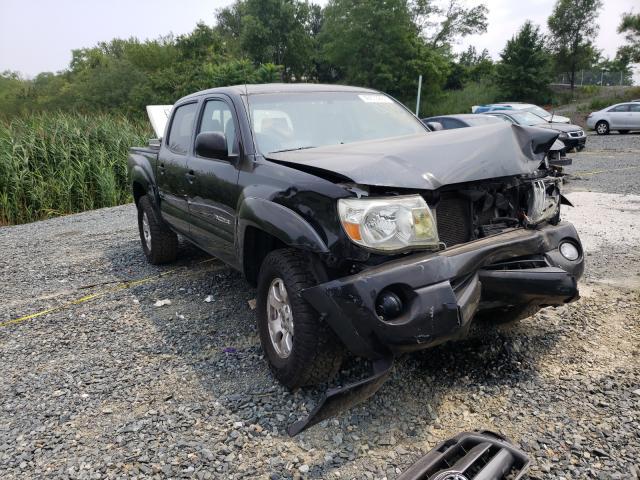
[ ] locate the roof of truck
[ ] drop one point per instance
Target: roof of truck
(256, 89)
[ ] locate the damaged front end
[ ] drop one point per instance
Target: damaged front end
(437, 257)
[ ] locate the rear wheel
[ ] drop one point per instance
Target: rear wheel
(299, 345)
(602, 128)
(159, 242)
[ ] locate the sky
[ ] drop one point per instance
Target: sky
(38, 35)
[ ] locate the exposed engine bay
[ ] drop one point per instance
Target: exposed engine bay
(479, 209)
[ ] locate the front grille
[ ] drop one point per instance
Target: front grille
(577, 134)
(453, 216)
(471, 456)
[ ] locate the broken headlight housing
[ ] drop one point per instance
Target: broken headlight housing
(389, 223)
(543, 202)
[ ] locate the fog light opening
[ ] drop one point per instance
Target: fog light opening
(569, 251)
(388, 305)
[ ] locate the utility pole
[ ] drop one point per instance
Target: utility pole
(419, 91)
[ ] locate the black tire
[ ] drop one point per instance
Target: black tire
(316, 353)
(602, 128)
(623, 132)
(164, 242)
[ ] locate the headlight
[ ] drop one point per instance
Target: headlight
(390, 223)
(543, 205)
(563, 135)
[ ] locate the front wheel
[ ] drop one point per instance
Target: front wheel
(299, 345)
(602, 128)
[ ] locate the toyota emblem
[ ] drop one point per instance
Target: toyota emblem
(450, 476)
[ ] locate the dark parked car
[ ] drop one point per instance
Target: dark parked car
(557, 152)
(461, 120)
(362, 231)
(572, 136)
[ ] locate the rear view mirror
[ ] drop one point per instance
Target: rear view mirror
(212, 145)
(434, 126)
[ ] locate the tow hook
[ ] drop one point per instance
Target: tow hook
(338, 399)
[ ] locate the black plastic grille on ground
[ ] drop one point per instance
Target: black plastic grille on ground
(453, 215)
(471, 456)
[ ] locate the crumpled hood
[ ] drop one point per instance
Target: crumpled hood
(430, 160)
(561, 127)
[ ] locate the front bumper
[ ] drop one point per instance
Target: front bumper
(575, 142)
(443, 291)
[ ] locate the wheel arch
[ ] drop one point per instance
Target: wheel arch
(140, 183)
(264, 226)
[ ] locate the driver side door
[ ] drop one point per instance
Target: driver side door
(212, 192)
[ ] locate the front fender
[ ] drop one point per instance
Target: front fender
(280, 222)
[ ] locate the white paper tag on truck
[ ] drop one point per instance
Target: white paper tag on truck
(373, 98)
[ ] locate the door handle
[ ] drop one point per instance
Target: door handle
(191, 176)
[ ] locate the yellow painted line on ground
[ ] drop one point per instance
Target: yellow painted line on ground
(86, 298)
(595, 172)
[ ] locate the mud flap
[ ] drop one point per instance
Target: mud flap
(338, 399)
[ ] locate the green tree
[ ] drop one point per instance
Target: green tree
(271, 31)
(377, 44)
(573, 27)
(13, 90)
(630, 26)
(620, 64)
(524, 70)
(441, 24)
(478, 65)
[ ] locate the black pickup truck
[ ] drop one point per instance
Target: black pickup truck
(362, 230)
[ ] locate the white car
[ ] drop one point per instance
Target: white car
(622, 117)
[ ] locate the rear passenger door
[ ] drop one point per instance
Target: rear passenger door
(618, 116)
(213, 186)
(171, 169)
(634, 117)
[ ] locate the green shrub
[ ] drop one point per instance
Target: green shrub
(459, 101)
(58, 163)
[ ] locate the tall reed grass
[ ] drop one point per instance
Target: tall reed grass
(58, 163)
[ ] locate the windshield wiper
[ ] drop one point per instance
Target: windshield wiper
(293, 149)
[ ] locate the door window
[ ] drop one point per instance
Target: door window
(620, 108)
(635, 107)
(181, 128)
(217, 117)
(450, 123)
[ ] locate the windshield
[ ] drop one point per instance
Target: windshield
(295, 121)
(526, 118)
(539, 111)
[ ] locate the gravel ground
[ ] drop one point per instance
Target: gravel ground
(610, 163)
(113, 386)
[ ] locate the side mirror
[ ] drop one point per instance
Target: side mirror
(434, 126)
(212, 145)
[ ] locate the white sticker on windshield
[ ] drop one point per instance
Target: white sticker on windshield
(375, 98)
